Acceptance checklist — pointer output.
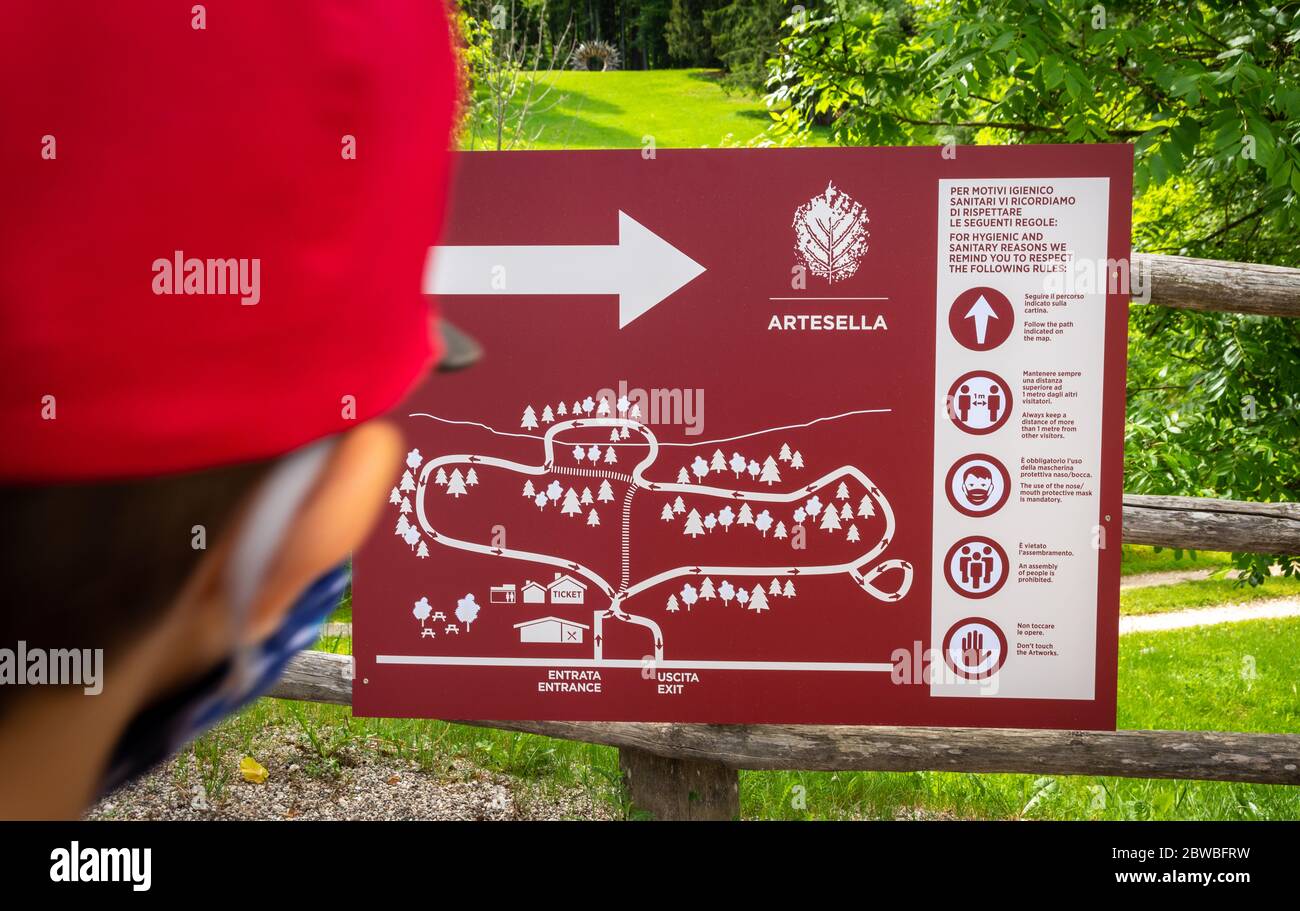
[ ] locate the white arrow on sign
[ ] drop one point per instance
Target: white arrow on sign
(981, 311)
(642, 269)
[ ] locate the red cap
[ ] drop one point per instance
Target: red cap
(133, 137)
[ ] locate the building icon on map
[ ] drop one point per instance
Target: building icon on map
(551, 629)
(566, 590)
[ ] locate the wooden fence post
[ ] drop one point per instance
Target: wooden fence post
(680, 789)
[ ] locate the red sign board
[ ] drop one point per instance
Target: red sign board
(817, 435)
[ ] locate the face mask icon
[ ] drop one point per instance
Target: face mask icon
(977, 485)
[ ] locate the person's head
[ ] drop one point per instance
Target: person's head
(211, 253)
(977, 484)
(141, 588)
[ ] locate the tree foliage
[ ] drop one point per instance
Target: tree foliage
(1209, 96)
(744, 35)
(689, 42)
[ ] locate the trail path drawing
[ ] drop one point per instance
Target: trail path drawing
(860, 569)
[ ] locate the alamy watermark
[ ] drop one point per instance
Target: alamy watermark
(24, 666)
(659, 406)
(75, 864)
(921, 666)
(1092, 276)
(191, 275)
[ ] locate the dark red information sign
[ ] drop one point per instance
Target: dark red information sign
(824, 435)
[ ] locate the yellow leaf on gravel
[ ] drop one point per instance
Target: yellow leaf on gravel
(252, 770)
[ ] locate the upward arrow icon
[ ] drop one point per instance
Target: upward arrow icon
(981, 311)
(642, 269)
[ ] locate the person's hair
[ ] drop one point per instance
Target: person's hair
(91, 565)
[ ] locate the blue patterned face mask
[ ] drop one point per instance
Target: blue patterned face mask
(167, 725)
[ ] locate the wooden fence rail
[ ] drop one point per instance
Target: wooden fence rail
(705, 757)
(689, 771)
(1208, 284)
(1201, 523)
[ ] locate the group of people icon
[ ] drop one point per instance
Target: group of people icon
(977, 566)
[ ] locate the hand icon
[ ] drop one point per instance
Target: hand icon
(972, 649)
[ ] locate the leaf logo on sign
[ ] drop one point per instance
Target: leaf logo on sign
(831, 234)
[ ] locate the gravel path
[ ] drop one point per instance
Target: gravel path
(1170, 577)
(1147, 580)
(366, 786)
(1208, 616)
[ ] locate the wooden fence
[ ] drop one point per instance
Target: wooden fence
(689, 771)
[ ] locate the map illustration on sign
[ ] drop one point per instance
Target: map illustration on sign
(848, 515)
(756, 439)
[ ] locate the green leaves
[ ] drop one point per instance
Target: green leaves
(1210, 96)
(1199, 87)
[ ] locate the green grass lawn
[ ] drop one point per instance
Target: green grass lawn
(1238, 677)
(1139, 558)
(617, 110)
(1159, 599)
(1222, 589)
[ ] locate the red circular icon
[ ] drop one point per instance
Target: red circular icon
(974, 648)
(977, 485)
(981, 318)
(979, 402)
(976, 567)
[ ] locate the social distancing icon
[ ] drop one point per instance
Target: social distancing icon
(979, 402)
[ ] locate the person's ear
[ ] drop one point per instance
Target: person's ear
(331, 522)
